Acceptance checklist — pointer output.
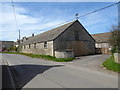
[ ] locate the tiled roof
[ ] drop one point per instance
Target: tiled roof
(49, 35)
(101, 37)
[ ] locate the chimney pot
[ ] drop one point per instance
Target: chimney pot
(32, 35)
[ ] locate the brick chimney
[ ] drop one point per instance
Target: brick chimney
(33, 35)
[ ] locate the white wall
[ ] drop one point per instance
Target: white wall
(102, 45)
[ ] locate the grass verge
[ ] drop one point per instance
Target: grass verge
(47, 57)
(111, 64)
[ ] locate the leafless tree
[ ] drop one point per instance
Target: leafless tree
(114, 40)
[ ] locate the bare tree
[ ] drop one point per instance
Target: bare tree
(114, 40)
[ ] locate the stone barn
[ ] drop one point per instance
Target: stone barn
(102, 43)
(71, 36)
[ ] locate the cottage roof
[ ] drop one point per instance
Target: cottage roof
(101, 37)
(49, 35)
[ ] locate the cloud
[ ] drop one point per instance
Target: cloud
(98, 22)
(39, 20)
(26, 23)
(92, 19)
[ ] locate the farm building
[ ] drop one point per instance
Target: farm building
(69, 37)
(102, 45)
(20, 41)
(5, 45)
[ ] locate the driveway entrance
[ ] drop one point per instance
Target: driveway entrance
(93, 62)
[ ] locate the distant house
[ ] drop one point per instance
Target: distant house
(4, 45)
(102, 45)
(22, 40)
(71, 36)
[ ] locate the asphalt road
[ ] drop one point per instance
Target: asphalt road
(37, 73)
(92, 62)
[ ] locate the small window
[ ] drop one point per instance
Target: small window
(45, 44)
(29, 46)
(35, 45)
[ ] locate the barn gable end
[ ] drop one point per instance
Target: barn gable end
(77, 38)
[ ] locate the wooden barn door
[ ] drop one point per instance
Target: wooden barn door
(78, 47)
(82, 48)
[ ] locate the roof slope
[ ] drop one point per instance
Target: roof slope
(49, 35)
(101, 37)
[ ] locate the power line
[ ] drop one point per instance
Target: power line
(68, 20)
(14, 15)
(100, 9)
(15, 19)
(59, 24)
(85, 14)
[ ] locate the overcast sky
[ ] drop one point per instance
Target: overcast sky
(37, 17)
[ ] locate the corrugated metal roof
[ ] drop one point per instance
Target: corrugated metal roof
(49, 35)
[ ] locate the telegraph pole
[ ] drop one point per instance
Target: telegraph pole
(19, 38)
(16, 25)
(118, 21)
(19, 47)
(119, 15)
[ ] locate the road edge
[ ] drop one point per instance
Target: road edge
(10, 75)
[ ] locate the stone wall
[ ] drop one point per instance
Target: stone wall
(102, 45)
(75, 38)
(117, 57)
(64, 54)
(103, 48)
(39, 48)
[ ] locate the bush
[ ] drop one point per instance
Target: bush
(12, 49)
(114, 50)
(114, 39)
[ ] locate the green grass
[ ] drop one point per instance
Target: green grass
(47, 57)
(11, 52)
(111, 64)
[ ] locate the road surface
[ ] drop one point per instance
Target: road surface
(92, 62)
(37, 73)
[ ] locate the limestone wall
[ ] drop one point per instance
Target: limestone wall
(76, 38)
(64, 54)
(39, 48)
(117, 57)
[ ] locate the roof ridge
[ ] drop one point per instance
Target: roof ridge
(101, 33)
(57, 27)
(101, 37)
(50, 34)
